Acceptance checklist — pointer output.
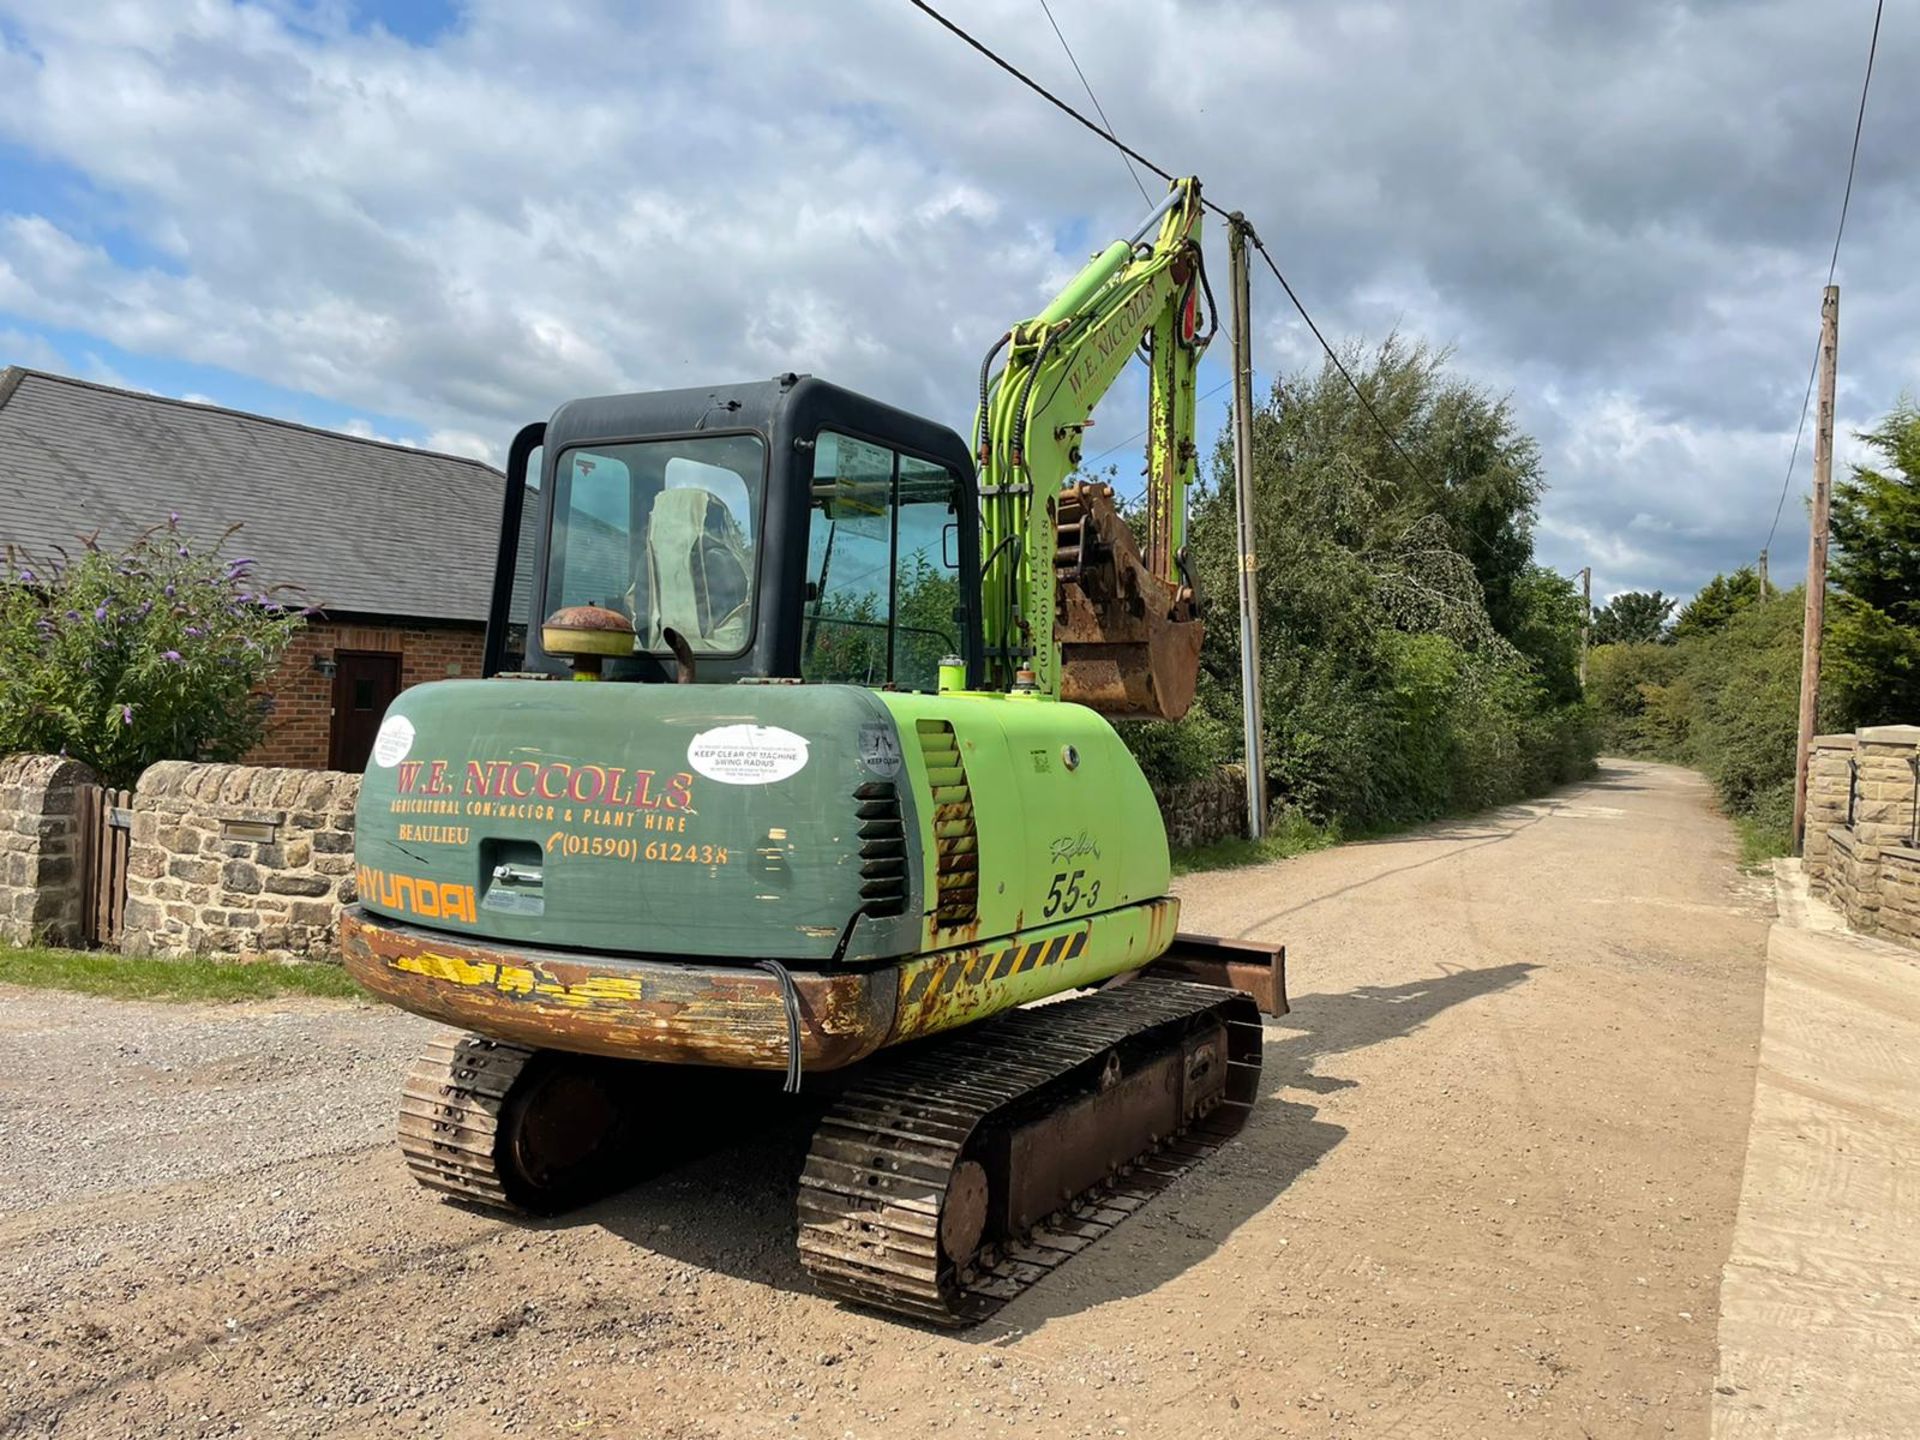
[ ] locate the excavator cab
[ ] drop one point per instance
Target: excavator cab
(783, 530)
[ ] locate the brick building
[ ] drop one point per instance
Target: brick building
(395, 544)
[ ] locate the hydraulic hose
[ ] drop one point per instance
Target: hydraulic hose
(790, 1001)
(986, 368)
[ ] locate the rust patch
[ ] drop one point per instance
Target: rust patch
(636, 1009)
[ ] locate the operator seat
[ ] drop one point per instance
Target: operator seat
(699, 571)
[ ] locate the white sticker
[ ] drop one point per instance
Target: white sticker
(393, 742)
(880, 748)
(748, 754)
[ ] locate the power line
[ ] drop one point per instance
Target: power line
(1353, 385)
(1047, 95)
(1098, 108)
(1833, 264)
(1107, 135)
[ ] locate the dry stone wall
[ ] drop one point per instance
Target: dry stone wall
(42, 850)
(1829, 773)
(1205, 811)
(1900, 894)
(1861, 850)
(239, 862)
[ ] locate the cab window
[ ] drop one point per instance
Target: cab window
(666, 533)
(880, 591)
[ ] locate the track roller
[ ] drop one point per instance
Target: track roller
(525, 1131)
(957, 1172)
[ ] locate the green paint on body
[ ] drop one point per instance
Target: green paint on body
(748, 822)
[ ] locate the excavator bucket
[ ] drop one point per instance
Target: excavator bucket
(1129, 640)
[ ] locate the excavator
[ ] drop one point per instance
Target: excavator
(794, 756)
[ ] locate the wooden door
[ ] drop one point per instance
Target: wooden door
(364, 684)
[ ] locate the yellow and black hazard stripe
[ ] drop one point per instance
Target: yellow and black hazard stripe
(983, 966)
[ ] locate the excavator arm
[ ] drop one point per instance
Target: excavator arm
(1075, 605)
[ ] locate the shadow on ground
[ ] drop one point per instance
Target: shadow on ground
(731, 1210)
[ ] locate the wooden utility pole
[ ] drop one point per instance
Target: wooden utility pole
(1255, 731)
(1586, 618)
(1763, 574)
(1816, 615)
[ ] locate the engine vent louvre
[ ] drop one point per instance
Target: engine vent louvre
(883, 848)
(955, 841)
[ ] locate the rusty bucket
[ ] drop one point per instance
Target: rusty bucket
(1129, 640)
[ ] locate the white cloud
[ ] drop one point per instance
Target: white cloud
(1620, 219)
(17, 347)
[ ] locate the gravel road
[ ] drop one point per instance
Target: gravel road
(1489, 1192)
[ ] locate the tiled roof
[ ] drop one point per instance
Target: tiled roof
(361, 525)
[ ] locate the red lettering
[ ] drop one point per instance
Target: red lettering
(409, 775)
(596, 779)
(437, 779)
(680, 792)
(483, 777)
(513, 786)
(562, 771)
(611, 795)
(642, 788)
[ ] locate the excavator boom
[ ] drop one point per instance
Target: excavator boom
(1068, 593)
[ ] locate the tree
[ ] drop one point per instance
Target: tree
(1633, 617)
(154, 654)
(1414, 660)
(1545, 627)
(1717, 602)
(1876, 521)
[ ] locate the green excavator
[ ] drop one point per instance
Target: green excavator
(794, 755)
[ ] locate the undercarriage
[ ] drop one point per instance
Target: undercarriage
(945, 1177)
(948, 1173)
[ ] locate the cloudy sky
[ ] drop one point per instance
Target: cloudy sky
(432, 221)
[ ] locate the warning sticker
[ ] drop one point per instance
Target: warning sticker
(748, 754)
(393, 742)
(880, 748)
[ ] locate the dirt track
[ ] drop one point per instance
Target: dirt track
(1489, 1193)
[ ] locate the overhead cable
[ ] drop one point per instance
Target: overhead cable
(1833, 265)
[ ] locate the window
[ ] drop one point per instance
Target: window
(520, 603)
(880, 591)
(663, 531)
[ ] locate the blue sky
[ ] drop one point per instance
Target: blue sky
(433, 221)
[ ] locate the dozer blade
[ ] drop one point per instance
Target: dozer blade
(1257, 967)
(1129, 640)
(961, 1170)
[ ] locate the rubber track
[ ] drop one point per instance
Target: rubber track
(882, 1157)
(450, 1113)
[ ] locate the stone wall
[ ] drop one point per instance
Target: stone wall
(1900, 894)
(42, 852)
(1860, 841)
(1205, 811)
(1853, 879)
(238, 862)
(1829, 771)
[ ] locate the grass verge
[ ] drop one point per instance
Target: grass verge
(1762, 839)
(189, 979)
(1294, 835)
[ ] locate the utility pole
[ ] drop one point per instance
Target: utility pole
(1811, 634)
(1763, 574)
(1255, 731)
(1586, 620)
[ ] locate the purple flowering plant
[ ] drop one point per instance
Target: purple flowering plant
(159, 651)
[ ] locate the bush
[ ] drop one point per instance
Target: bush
(153, 654)
(1727, 700)
(1414, 660)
